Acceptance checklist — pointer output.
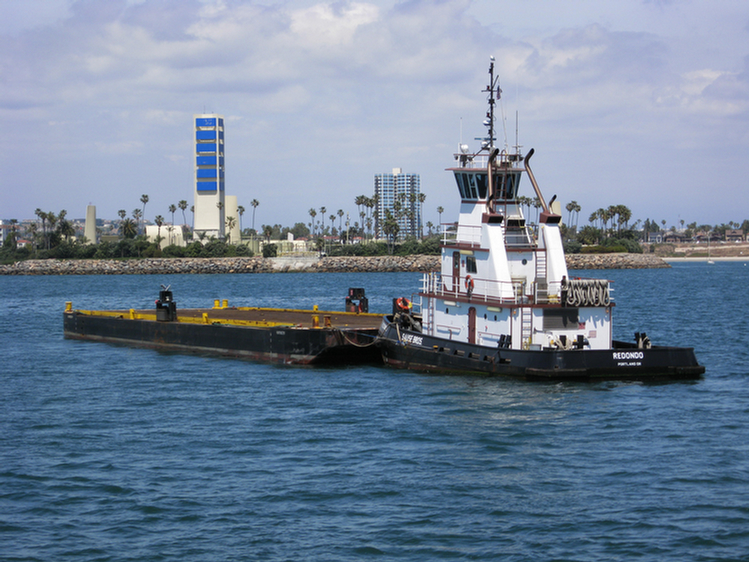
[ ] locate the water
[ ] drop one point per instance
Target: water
(117, 454)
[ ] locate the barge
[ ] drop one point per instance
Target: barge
(289, 336)
(503, 302)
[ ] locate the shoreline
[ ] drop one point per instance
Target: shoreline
(294, 264)
(704, 259)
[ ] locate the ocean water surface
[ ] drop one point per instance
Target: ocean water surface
(111, 453)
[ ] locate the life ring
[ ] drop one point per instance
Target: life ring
(403, 304)
(469, 283)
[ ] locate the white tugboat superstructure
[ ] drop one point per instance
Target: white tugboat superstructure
(503, 301)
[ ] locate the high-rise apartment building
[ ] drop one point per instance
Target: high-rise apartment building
(209, 174)
(400, 195)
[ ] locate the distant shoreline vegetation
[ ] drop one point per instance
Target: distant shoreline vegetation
(140, 248)
(57, 238)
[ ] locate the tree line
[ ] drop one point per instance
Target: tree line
(54, 235)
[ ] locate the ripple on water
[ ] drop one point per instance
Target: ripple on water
(111, 453)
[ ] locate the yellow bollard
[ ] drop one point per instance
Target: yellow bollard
(68, 306)
(315, 321)
(216, 304)
(314, 307)
(132, 314)
(225, 303)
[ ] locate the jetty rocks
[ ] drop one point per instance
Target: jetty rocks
(615, 261)
(308, 264)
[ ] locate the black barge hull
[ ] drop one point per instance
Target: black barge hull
(290, 344)
(406, 349)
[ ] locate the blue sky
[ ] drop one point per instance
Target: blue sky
(641, 103)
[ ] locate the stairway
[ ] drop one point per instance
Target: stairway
(526, 316)
(542, 285)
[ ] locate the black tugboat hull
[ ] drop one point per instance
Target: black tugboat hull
(413, 350)
(289, 345)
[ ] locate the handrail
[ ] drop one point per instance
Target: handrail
(511, 292)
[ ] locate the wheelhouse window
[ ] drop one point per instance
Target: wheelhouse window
(470, 264)
(460, 179)
(511, 185)
(481, 185)
(474, 185)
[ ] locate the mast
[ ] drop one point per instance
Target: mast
(494, 92)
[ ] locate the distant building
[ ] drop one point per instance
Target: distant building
(209, 174)
(231, 209)
(90, 227)
(400, 195)
(734, 235)
(167, 235)
(677, 237)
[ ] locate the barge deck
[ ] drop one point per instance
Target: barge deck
(304, 337)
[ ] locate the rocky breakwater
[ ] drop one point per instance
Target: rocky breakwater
(615, 261)
(146, 266)
(349, 264)
(378, 263)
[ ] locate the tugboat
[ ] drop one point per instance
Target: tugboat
(503, 302)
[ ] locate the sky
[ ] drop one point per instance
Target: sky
(643, 103)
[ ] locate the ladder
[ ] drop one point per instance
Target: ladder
(526, 326)
(542, 285)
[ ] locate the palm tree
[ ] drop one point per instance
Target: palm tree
(340, 214)
(64, 227)
(390, 229)
(144, 200)
(254, 204)
(122, 213)
(240, 210)
(159, 220)
(128, 228)
(172, 209)
(230, 223)
(137, 214)
(537, 206)
(182, 206)
(577, 210)
(12, 238)
(323, 210)
(32, 232)
(570, 208)
(52, 220)
(313, 214)
(332, 223)
(440, 210)
(43, 217)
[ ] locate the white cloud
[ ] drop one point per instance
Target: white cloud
(319, 96)
(331, 25)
